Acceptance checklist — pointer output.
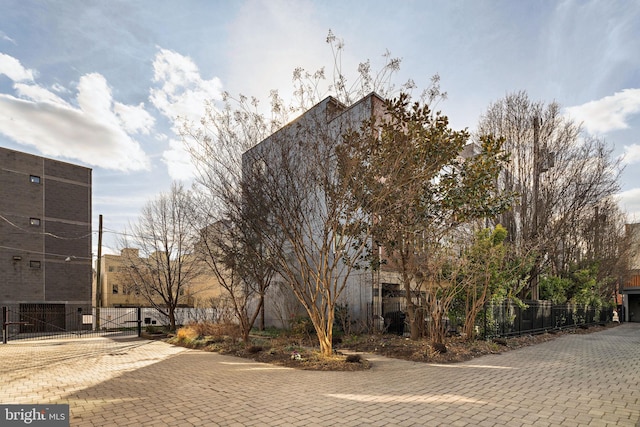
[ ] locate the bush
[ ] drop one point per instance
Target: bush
(302, 326)
(353, 358)
(217, 329)
(151, 329)
(187, 334)
(194, 331)
(254, 349)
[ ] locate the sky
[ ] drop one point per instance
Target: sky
(107, 84)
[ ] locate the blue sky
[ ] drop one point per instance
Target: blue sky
(100, 83)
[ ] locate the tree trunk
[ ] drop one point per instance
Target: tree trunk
(326, 346)
(261, 326)
(437, 332)
(172, 319)
(412, 313)
(324, 332)
(414, 321)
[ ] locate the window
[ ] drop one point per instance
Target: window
(111, 269)
(114, 290)
(34, 179)
(34, 264)
(34, 221)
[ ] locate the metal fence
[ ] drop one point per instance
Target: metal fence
(41, 321)
(45, 321)
(509, 319)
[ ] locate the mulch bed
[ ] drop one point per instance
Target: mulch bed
(293, 354)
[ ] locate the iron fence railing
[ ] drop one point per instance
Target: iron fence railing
(506, 318)
(40, 321)
(510, 319)
(43, 321)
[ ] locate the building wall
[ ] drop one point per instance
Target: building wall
(45, 231)
(118, 291)
(327, 119)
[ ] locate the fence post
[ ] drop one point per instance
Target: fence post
(139, 311)
(5, 325)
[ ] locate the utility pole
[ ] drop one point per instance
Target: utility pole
(536, 202)
(98, 274)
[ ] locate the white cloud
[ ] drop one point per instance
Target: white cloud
(38, 94)
(57, 87)
(182, 95)
(95, 132)
(631, 154)
(178, 161)
(609, 113)
(629, 202)
(134, 118)
(183, 92)
(7, 38)
(12, 68)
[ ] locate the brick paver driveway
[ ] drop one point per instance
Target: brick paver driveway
(574, 380)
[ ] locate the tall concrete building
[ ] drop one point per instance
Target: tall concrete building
(45, 240)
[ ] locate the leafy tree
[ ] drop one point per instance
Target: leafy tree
(554, 289)
(408, 173)
(485, 273)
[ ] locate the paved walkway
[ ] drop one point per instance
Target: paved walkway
(575, 380)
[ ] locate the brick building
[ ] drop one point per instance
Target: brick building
(45, 240)
(117, 289)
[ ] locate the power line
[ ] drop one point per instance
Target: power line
(44, 253)
(44, 233)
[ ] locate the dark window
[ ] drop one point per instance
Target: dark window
(111, 269)
(34, 221)
(34, 179)
(34, 264)
(115, 289)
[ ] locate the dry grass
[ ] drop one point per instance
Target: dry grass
(199, 331)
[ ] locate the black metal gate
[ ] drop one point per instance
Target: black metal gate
(42, 318)
(41, 321)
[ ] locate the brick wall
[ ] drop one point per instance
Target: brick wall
(44, 223)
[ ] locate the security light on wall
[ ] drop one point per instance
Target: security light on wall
(17, 258)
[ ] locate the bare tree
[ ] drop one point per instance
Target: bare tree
(229, 210)
(560, 177)
(163, 267)
(325, 235)
(288, 201)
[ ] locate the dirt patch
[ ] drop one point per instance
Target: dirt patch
(457, 349)
(279, 351)
(300, 354)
